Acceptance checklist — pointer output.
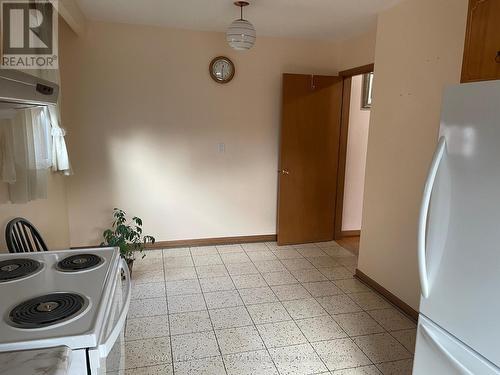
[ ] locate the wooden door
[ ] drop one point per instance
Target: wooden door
(309, 149)
(482, 42)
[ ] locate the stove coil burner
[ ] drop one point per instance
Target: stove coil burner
(13, 269)
(47, 310)
(79, 262)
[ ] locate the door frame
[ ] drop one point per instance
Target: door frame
(344, 130)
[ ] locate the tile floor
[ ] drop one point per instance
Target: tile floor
(261, 309)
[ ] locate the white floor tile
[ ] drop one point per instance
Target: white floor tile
(297, 360)
(268, 313)
(232, 258)
(392, 319)
(216, 270)
(339, 304)
(382, 347)
(190, 322)
(185, 273)
(249, 281)
(336, 273)
(216, 284)
(279, 278)
(141, 353)
(186, 303)
(290, 292)
(257, 295)
(357, 324)
(219, 300)
(322, 288)
(340, 354)
(207, 260)
(297, 264)
(229, 249)
(304, 308)
(194, 346)
(403, 367)
(363, 370)
(250, 363)
(270, 266)
(321, 328)
(281, 334)
(257, 256)
(308, 276)
(231, 317)
(147, 307)
(149, 290)
(178, 262)
(370, 301)
(205, 366)
(407, 338)
(236, 269)
(237, 340)
(146, 328)
(203, 250)
(176, 252)
(181, 287)
(352, 286)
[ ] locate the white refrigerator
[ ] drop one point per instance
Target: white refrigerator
(459, 239)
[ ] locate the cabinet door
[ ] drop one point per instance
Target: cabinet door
(482, 42)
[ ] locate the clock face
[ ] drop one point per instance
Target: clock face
(221, 69)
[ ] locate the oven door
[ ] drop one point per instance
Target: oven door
(110, 354)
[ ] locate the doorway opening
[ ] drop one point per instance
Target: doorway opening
(356, 107)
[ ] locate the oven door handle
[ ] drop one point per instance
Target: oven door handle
(108, 343)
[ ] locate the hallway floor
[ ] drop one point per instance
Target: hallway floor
(261, 309)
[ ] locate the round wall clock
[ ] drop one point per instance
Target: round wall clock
(221, 69)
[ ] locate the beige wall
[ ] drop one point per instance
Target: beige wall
(419, 51)
(50, 215)
(357, 51)
(357, 142)
(144, 123)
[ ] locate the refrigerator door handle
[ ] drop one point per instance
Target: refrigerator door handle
(424, 210)
(442, 349)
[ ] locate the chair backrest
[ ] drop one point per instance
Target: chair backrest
(22, 237)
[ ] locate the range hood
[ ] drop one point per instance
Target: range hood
(19, 90)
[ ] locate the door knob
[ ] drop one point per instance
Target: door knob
(284, 171)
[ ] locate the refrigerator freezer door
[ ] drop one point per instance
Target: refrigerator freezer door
(437, 352)
(462, 251)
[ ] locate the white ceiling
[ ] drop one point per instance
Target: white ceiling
(314, 19)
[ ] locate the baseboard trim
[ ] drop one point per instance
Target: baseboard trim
(201, 242)
(350, 233)
(403, 306)
(213, 241)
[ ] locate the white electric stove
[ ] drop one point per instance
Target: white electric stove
(75, 298)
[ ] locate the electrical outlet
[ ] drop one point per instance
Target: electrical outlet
(221, 147)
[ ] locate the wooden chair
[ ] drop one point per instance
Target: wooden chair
(22, 237)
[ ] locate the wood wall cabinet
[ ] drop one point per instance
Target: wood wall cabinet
(482, 42)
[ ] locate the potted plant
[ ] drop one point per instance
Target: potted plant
(127, 235)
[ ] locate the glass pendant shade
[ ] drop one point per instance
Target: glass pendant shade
(241, 35)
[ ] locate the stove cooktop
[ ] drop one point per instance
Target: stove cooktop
(46, 310)
(50, 306)
(18, 268)
(79, 262)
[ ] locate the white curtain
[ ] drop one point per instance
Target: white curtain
(31, 143)
(28, 143)
(60, 158)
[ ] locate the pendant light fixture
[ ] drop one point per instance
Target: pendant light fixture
(241, 34)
